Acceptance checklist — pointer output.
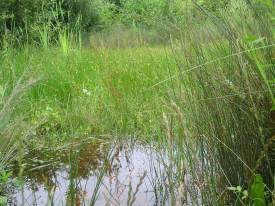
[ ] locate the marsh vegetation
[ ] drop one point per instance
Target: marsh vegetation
(151, 102)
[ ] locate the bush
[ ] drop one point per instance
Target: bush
(21, 18)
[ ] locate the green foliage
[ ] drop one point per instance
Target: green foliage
(239, 192)
(25, 19)
(256, 194)
(4, 179)
(219, 73)
(258, 191)
(41, 20)
(142, 12)
(3, 200)
(213, 6)
(264, 6)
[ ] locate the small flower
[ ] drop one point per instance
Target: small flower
(229, 82)
(86, 92)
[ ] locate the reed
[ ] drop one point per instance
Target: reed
(205, 98)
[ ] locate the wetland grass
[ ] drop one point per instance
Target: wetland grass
(204, 101)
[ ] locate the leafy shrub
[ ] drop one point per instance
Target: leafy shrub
(22, 18)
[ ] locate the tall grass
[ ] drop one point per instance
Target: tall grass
(226, 98)
(206, 98)
(12, 130)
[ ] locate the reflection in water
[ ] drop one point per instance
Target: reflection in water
(125, 174)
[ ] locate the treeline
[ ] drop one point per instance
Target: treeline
(25, 20)
(29, 16)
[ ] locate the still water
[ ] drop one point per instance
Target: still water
(93, 173)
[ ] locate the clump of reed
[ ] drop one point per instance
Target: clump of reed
(223, 87)
(12, 130)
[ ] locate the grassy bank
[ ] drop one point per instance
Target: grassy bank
(101, 91)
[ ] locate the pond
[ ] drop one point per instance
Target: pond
(96, 173)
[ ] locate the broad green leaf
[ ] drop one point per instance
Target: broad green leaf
(257, 191)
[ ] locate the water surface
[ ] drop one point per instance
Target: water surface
(113, 174)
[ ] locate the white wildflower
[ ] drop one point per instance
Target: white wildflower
(86, 92)
(229, 82)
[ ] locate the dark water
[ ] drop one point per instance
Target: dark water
(131, 173)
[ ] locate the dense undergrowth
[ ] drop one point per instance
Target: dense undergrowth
(207, 94)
